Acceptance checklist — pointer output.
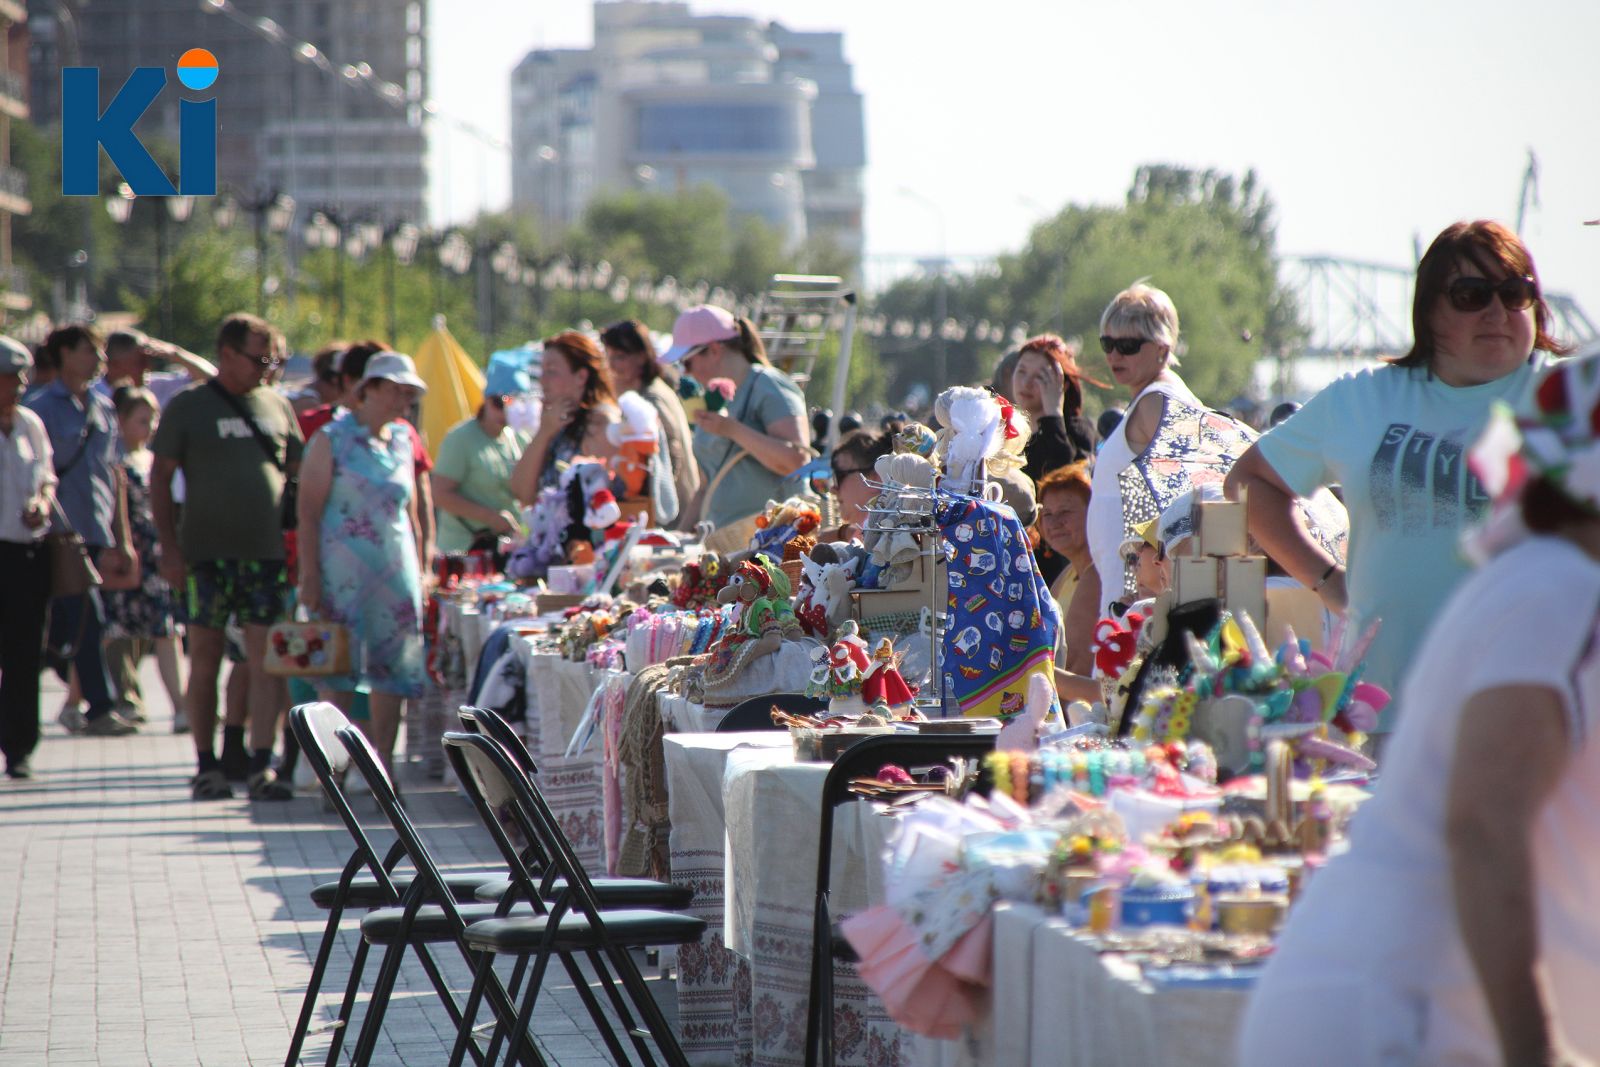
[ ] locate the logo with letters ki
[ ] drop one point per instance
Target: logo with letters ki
(85, 129)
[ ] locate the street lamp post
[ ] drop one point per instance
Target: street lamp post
(402, 239)
(270, 212)
(119, 205)
(1060, 266)
(327, 229)
(941, 296)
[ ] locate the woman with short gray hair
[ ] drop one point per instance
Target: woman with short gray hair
(1168, 443)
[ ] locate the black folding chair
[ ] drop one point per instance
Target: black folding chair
(575, 922)
(611, 892)
(427, 914)
(861, 760)
(315, 726)
(756, 713)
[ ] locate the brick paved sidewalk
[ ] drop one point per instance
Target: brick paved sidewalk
(139, 926)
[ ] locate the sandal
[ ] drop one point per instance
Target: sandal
(210, 785)
(266, 785)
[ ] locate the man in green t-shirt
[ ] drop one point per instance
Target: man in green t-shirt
(236, 442)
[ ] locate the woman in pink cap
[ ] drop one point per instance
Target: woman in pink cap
(748, 449)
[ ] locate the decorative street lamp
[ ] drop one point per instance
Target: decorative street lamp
(402, 238)
(119, 205)
(270, 212)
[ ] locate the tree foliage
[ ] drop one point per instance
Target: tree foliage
(1206, 238)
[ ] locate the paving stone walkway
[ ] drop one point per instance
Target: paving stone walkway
(140, 927)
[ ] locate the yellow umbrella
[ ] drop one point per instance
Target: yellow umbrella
(455, 383)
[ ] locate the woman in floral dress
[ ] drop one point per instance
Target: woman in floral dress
(361, 567)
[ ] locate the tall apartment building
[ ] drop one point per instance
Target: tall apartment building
(13, 182)
(304, 121)
(667, 99)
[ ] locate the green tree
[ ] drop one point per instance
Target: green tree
(1206, 238)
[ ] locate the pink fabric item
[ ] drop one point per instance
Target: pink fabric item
(934, 998)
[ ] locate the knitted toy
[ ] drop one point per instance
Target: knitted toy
(591, 506)
(635, 437)
(692, 395)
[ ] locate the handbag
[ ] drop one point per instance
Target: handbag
(306, 648)
(289, 507)
(72, 572)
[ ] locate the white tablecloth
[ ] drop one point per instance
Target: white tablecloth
(710, 1016)
(745, 817)
(557, 692)
(682, 716)
(1057, 1001)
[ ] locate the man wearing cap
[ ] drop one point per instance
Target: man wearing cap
(27, 479)
(128, 357)
(82, 426)
(236, 442)
(472, 483)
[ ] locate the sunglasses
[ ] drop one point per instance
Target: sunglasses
(268, 360)
(1474, 294)
(1128, 346)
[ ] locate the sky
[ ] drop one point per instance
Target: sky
(1370, 122)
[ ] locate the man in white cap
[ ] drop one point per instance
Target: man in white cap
(27, 480)
(237, 443)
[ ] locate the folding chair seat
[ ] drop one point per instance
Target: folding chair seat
(610, 891)
(315, 726)
(575, 922)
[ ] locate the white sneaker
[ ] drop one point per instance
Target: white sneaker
(72, 719)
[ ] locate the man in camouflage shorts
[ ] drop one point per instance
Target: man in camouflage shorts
(237, 443)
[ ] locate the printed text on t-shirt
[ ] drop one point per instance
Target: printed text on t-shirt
(1419, 481)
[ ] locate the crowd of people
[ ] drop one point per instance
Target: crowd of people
(213, 504)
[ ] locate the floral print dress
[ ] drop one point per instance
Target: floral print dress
(148, 611)
(371, 580)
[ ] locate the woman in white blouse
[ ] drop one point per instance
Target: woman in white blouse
(27, 477)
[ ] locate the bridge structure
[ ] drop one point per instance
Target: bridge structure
(1356, 310)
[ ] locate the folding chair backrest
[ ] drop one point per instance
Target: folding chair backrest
(501, 782)
(490, 722)
(429, 880)
(496, 803)
(316, 726)
(756, 713)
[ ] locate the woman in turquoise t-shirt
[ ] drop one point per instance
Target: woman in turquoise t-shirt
(1395, 439)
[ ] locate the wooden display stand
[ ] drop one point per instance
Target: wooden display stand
(912, 595)
(1218, 564)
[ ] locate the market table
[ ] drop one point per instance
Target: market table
(1056, 1000)
(744, 834)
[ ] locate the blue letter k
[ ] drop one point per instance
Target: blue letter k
(84, 130)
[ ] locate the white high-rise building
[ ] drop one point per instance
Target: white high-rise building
(668, 100)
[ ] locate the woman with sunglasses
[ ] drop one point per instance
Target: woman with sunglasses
(1394, 438)
(631, 355)
(1138, 333)
(853, 462)
(750, 448)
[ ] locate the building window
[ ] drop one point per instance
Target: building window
(694, 128)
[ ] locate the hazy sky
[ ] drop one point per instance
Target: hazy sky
(1368, 120)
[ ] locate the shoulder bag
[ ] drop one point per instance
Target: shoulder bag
(289, 515)
(72, 572)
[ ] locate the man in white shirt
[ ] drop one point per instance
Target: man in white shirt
(27, 478)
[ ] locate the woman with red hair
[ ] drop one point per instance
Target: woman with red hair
(1047, 385)
(579, 406)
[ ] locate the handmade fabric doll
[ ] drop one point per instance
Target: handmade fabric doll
(636, 439)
